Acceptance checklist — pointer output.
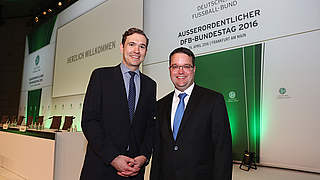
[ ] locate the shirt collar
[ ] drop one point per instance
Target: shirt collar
(188, 91)
(125, 69)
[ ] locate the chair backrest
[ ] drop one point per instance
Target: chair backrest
(67, 122)
(56, 122)
(13, 119)
(20, 120)
(29, 120)
(4, 119)
(40, 120)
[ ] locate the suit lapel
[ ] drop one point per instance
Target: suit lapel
(143, 92)
(167, 115)
(122, 90)
(194, 100)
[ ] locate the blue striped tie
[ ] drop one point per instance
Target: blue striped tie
(179, 114)
(132, 95)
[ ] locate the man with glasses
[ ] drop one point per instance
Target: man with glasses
(193, 138)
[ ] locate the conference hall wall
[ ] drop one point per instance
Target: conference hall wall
(62, 53)
(262, 56)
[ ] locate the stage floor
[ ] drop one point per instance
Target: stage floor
(262, 173)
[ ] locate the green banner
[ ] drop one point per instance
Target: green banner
(41, 35)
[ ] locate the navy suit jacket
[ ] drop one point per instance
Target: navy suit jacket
(203, 148)
(106, 124)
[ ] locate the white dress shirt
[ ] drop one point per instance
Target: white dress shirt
(176, 99)
(126, 77)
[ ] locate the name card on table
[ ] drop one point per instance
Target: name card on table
(5, 126)
(23, 128)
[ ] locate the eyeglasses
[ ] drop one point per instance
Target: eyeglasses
(186, 67)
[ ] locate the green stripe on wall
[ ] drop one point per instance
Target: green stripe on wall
(253, 56)
(236, 74)
(33, 106)
(41, 35)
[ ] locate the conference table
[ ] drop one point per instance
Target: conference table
(42, 154)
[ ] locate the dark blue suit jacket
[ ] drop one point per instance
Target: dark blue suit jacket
(106, 125)
(203, 148)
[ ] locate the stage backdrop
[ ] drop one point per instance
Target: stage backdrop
(262, 57)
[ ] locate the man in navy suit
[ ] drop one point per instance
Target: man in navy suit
(118, 115)
(193, 138)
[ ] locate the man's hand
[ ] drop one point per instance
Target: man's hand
(139, 161)
(125, 166)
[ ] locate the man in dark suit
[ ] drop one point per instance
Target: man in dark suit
(118, 115)
(193, 138)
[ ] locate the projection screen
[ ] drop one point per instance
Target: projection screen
(91, 41)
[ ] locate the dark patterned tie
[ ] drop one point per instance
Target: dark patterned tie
(178, 116)
(132, 95)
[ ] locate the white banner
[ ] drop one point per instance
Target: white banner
(37, 70)
(92, 41)
(213, 25)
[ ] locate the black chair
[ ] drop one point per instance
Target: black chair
(4, 119)
(19, 122)
(13, 119)
(29, 120)
(40, 120)
(56, 122)
(68, 120)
